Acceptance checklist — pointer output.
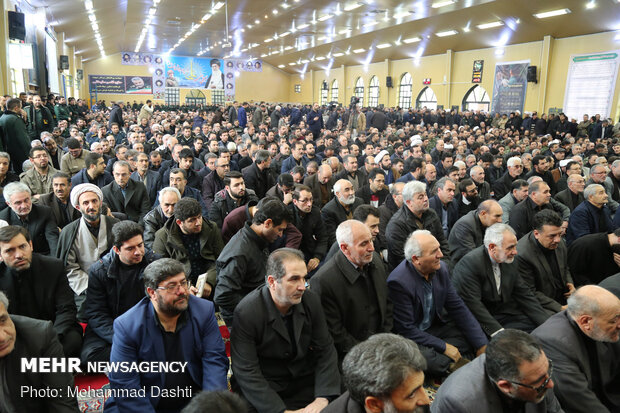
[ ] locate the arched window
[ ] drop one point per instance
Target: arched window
(323, 93)
(334, 91)
(373, 92)
(359, 90)
(404, 91)
(476, 98)
(426, 98)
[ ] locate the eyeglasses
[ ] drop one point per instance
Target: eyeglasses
(540, 389)
(173, 288)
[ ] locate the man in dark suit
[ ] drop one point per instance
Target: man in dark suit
(522, 215)
(27, 338)
(94, 172)
(445, 332)
(321, 184)
(126, 195)
(37, 287)
(38, 219)
(583, 343)
(353, 290)
(340, 208)
(468, 232)
(591, 216)
(503, 186)
(170, 325)
(543, 262)
(282, 354)
(58, 200)
(150, 178)
(602, 130)
(488, 280)
(514, 375)
(257, 176)
(594, 257)
(398, 364)
(444, 205)
(413, 214)
(573, 195)
(307, 219)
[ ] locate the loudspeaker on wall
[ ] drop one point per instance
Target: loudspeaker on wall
(531, 74)
(17, 27)
(388, 81)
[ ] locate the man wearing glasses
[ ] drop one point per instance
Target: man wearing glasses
(514, 375)
(39, 178)
(504, 185)
(169, 325)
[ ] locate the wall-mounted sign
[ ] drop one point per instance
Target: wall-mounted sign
(426, 81)
(476, 74)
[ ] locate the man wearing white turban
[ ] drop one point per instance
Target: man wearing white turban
(85, 240)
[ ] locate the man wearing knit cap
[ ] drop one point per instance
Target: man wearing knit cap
(85, 240)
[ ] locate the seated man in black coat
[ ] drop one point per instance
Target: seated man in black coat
(444, 205)
(375, 191)
(26, 338)
(307, 219)
(114, 286)
(58, 200)
(157, 217)
(594, 257)
(488, 280)
(340, 208)
(37, 287)
(234, 195)
(283, 355)
(573, 195)
(522, 215)
(126, 195)
(414, 214)
(38, 219)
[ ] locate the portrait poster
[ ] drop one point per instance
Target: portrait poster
(194, 72)
(106, 84)
(138, 85)
(509, 86)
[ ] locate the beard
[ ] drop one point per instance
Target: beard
(91, 216)
(347, 201)
(179, 305)
(388, 407)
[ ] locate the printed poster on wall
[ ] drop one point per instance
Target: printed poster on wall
(140, 59)
(194, 72)
(106, 84)
(590, 84)
(138, 85)
(509, 86)
(476, 75)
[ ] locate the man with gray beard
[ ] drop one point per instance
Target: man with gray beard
(85, 240)
(340, 208)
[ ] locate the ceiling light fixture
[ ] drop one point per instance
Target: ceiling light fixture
(325, 17)
(281, 66)
(218, 5)
(352, 6)
(401, 15)
(442, 3)
(338, 54)
(551, 13)
(284, 34)
(344, 31)
(285, 5)
(359, 50)
(446, 33)
(384, 45)
(411, 40)
(490, 25)
(303, 26)
(88, 4)
(319, 58)
(591, 4)
(370, 24)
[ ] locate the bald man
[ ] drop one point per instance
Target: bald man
(321, 185)
(583, 342)
(353, 290)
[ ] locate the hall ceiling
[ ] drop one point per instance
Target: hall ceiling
(298, 35)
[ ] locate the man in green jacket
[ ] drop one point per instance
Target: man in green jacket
(62, 110)
(13, 136)
(39, 118)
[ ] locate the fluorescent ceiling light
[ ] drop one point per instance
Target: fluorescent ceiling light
(95, 26)
(218, 5)
(206, 17)
(325, 17)
(264, 55)
(359, 50)
(92, 17)
(383, 45)
(281, 66)
(591, 4)
(442, 3)
(303, 26)
(352, 6)
(338, 54)
(402, 15)
(344, 31)
(268, 40)
(275, 11)
(284, 34)
(551, 13)
(285, 5)
(292, 63)
(490, 25)
(88, 4)
(319, 58)
(411, 40)
(288, 48)
(446, 33)
(305, 61)
(371, 23)
(152, 11)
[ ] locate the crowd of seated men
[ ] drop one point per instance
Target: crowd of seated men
(352, 262)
